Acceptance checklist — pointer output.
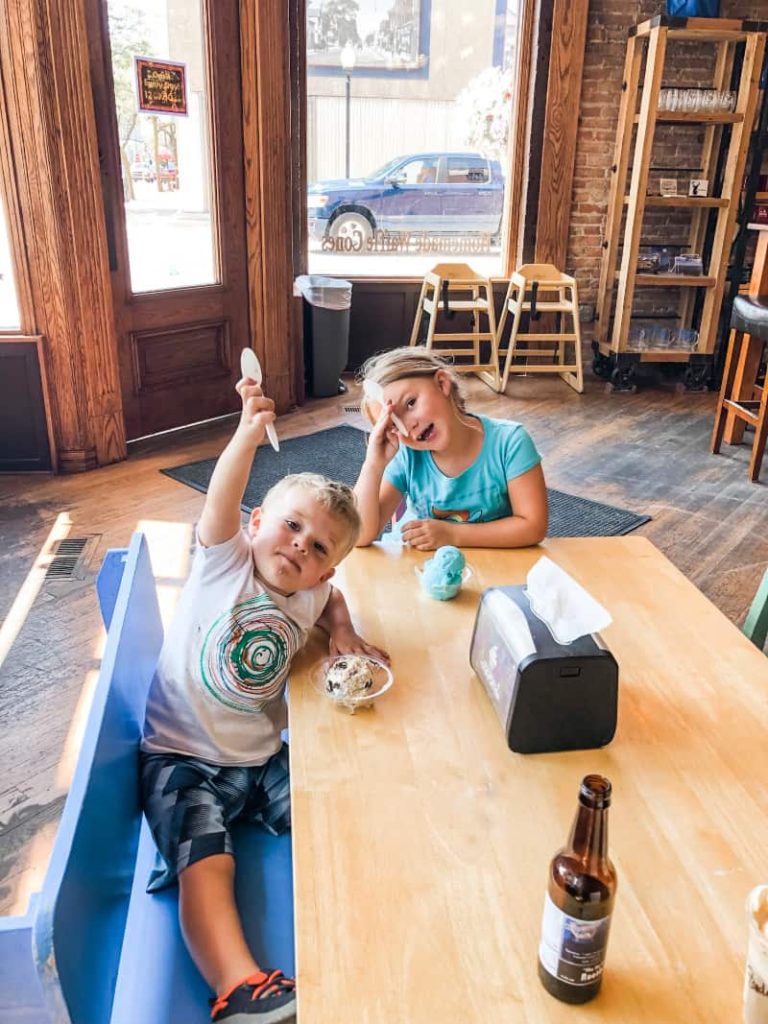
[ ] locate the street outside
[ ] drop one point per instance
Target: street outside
(170, 247)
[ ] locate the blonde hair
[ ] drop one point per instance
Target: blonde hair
(409, 361)
(335, 497)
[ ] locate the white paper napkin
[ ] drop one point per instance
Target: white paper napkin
(563, 604)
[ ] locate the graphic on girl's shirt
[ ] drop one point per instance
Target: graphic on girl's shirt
(451, 514)
(247, 653)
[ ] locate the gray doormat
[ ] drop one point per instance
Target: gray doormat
(339, 453)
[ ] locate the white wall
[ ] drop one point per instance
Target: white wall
(380, 128)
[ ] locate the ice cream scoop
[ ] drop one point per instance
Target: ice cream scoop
(442, 574)
(250, 367)
(373, 390)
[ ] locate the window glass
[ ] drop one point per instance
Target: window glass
(10, 317)
(467, 171)
(410, 104)
(162, 105)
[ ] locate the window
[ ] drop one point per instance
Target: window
(410, 105)
(10, 317)
(466, 171)
(165, 155)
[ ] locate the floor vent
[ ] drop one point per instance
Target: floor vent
(69, 559)
(351, 408)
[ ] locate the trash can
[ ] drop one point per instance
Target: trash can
(327, 302)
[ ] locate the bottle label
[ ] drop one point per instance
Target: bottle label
(571, 950)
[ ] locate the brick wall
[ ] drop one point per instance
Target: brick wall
(676, 145)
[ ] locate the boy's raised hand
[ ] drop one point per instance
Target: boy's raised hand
(257, 412)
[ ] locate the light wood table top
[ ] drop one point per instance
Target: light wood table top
(421, 842)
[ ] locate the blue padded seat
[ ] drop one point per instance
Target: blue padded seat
(94, 947)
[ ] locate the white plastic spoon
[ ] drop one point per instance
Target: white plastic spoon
(250, 367)
(373, 390)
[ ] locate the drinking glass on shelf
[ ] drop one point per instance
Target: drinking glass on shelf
(685, 338)
(728, 100)
(661, 337)
(692, 100)
(638, 339)
(668, 100)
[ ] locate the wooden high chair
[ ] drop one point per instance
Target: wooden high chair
(439, 292)
(742, 399)
(537, 288)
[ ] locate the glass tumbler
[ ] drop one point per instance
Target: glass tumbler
(756, 974)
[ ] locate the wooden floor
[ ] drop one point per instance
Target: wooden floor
(647, 452)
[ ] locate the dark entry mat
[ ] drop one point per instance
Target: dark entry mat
(339, 453)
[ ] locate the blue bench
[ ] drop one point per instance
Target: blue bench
(93, 947)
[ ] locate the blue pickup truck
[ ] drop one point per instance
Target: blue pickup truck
(437, 193)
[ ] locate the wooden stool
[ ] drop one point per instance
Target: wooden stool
(435, 297)
(740, 396)
(541, 288)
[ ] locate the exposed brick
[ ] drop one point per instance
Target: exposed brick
(678, 146)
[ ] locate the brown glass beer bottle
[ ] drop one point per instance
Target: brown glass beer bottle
(579, 901)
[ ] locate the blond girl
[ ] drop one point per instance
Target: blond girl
(469, 480)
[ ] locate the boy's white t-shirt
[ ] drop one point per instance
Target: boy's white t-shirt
(218, 689)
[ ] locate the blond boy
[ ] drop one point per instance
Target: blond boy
(212, 750)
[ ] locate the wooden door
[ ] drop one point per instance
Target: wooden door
(174, 197)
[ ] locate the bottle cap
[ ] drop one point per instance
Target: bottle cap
(595, 791)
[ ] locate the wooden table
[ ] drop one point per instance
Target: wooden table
(421, 843)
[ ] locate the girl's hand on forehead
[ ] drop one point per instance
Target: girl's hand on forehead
(384, 439)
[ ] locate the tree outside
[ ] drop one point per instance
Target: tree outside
(129, 37)
(485, 106)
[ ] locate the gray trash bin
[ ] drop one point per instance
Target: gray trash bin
(327, 302)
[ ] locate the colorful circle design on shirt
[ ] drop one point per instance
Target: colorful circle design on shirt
(246, 655)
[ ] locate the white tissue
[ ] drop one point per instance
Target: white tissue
(560, 602)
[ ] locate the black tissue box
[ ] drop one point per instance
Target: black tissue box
(548, 696)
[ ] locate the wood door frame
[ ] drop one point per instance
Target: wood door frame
(271, 43)
(560, 129)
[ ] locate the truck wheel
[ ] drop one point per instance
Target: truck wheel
(352, 226)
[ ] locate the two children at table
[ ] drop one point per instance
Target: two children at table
(212, 749)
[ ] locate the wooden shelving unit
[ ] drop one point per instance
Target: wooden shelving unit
(737, 43)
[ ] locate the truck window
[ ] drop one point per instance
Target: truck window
(418, 172)
(466, 170)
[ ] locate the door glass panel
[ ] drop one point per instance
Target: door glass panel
(10, 318)
(166, 156)
(410, 107)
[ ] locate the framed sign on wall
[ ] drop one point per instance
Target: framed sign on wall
(161, 86)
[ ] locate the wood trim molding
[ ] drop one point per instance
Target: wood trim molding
(298, 25)
(265, 48)
(519, 143)
(59, 221)
(561, 124)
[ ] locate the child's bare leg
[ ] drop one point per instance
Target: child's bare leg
(211, 923)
